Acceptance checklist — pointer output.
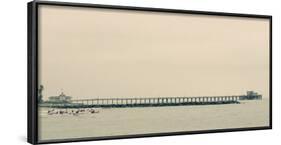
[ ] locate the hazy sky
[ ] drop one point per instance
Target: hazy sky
(90, 52)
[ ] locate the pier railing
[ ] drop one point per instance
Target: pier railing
(163, 101)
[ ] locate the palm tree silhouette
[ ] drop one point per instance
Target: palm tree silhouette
(40, 95)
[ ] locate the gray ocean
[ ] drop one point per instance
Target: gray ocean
(131, 121)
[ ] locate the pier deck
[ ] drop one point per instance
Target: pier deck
(146, 102)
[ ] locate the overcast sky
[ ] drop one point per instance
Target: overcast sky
(90, 52)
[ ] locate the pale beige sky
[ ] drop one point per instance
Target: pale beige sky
(89, 52)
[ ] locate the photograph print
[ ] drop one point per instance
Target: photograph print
(115, 72)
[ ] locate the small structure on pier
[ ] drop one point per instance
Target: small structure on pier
(251, 95)
(62, 98)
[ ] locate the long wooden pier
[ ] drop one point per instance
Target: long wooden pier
(153, 101)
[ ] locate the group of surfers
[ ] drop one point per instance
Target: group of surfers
(72, 112)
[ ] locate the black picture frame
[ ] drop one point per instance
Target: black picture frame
(33, 68)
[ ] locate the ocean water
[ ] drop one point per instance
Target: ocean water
(130, 121)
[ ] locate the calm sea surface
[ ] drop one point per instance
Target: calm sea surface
(128, 121)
